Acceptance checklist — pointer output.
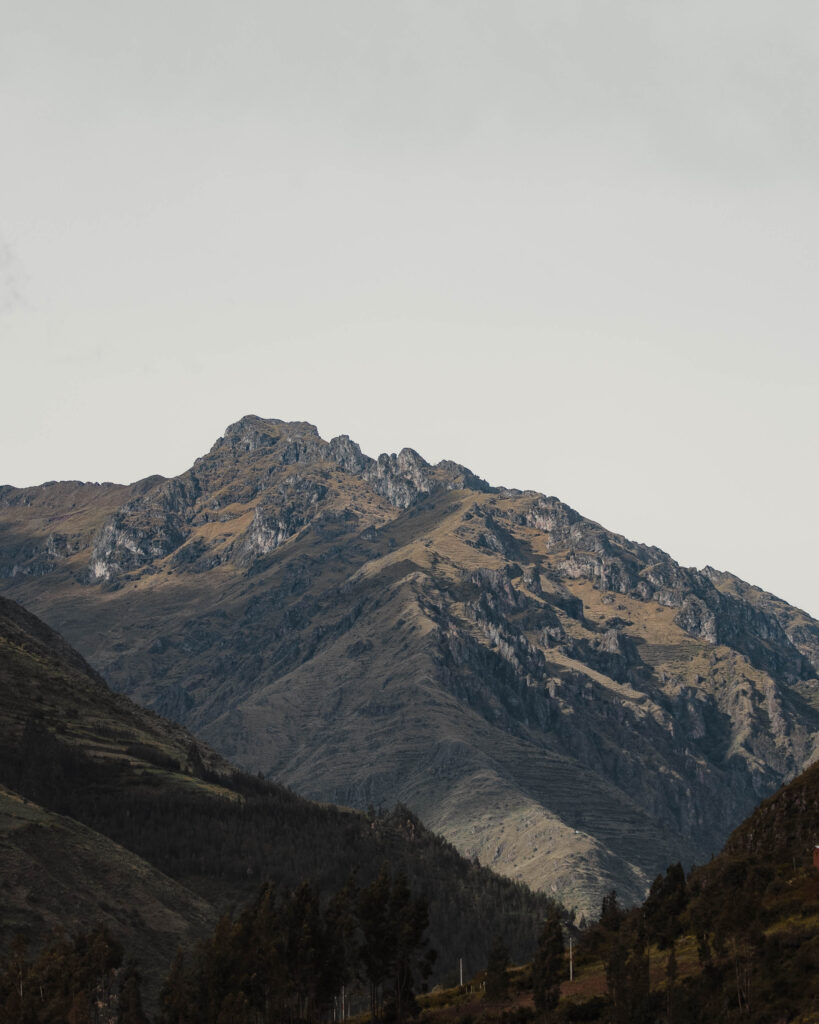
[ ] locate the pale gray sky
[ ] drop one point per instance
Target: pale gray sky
(570, 244)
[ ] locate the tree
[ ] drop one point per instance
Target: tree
(670, 980)
(627, 974)
(289, 959)
(409, 919)
(393, 924)
(497, 972)
(611, 913)
(340, 929)
(177, 999)
(376, 951)
(14, 982)
(547, 966)
(665, 902)
(129, 1003)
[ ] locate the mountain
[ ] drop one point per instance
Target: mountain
(109, 813)
(572, 708)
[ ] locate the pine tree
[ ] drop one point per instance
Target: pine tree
(670, 980)
(547, 966)
(176, 1000)
(340, 929)
(627, 974)
(376, 951)
(409, 919)
(497, 972)
(611, 913)
(129, 1003)
(665, 902)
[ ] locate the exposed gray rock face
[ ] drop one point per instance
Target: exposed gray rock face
(617, 565)
(38, 559)
(801, 629)
(348, 456)
(40, 548)
(158, 522)
(398, 478)
(283, 512)
(144, 530)
(402, 478)
(249, 435)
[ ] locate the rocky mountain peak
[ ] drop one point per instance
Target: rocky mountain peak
(252, 434)
(250, 466)
(248, 434)
(347, 454)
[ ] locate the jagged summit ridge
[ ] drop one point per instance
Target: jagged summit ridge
(400, 478)
(159, 522)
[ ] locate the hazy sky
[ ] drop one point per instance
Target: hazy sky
(572, 244)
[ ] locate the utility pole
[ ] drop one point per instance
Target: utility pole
(461, 970)
(571, 960)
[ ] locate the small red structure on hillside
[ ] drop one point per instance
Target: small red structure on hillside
(816, 856)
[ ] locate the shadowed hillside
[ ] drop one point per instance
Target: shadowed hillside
(109, 813)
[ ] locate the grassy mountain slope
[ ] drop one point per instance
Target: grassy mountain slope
(572, 708)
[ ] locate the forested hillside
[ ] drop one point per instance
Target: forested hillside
(143, 797)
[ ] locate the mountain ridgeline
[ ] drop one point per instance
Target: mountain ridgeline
(571, 708)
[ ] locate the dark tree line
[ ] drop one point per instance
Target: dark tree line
(260, 831)
(79, 981)
(288, 959)
(284, 959)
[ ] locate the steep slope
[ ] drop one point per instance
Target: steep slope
(56, 872)
(109, 812)
(755, 912)
(744, 927)
(572, 708)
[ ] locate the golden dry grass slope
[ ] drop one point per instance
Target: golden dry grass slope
(574, 709)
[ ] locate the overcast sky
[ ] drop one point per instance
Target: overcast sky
(571, 244)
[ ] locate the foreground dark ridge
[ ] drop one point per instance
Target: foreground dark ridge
(572, 708)
(109, 813)
(737, 940)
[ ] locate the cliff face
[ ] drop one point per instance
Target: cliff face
(574, 709)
